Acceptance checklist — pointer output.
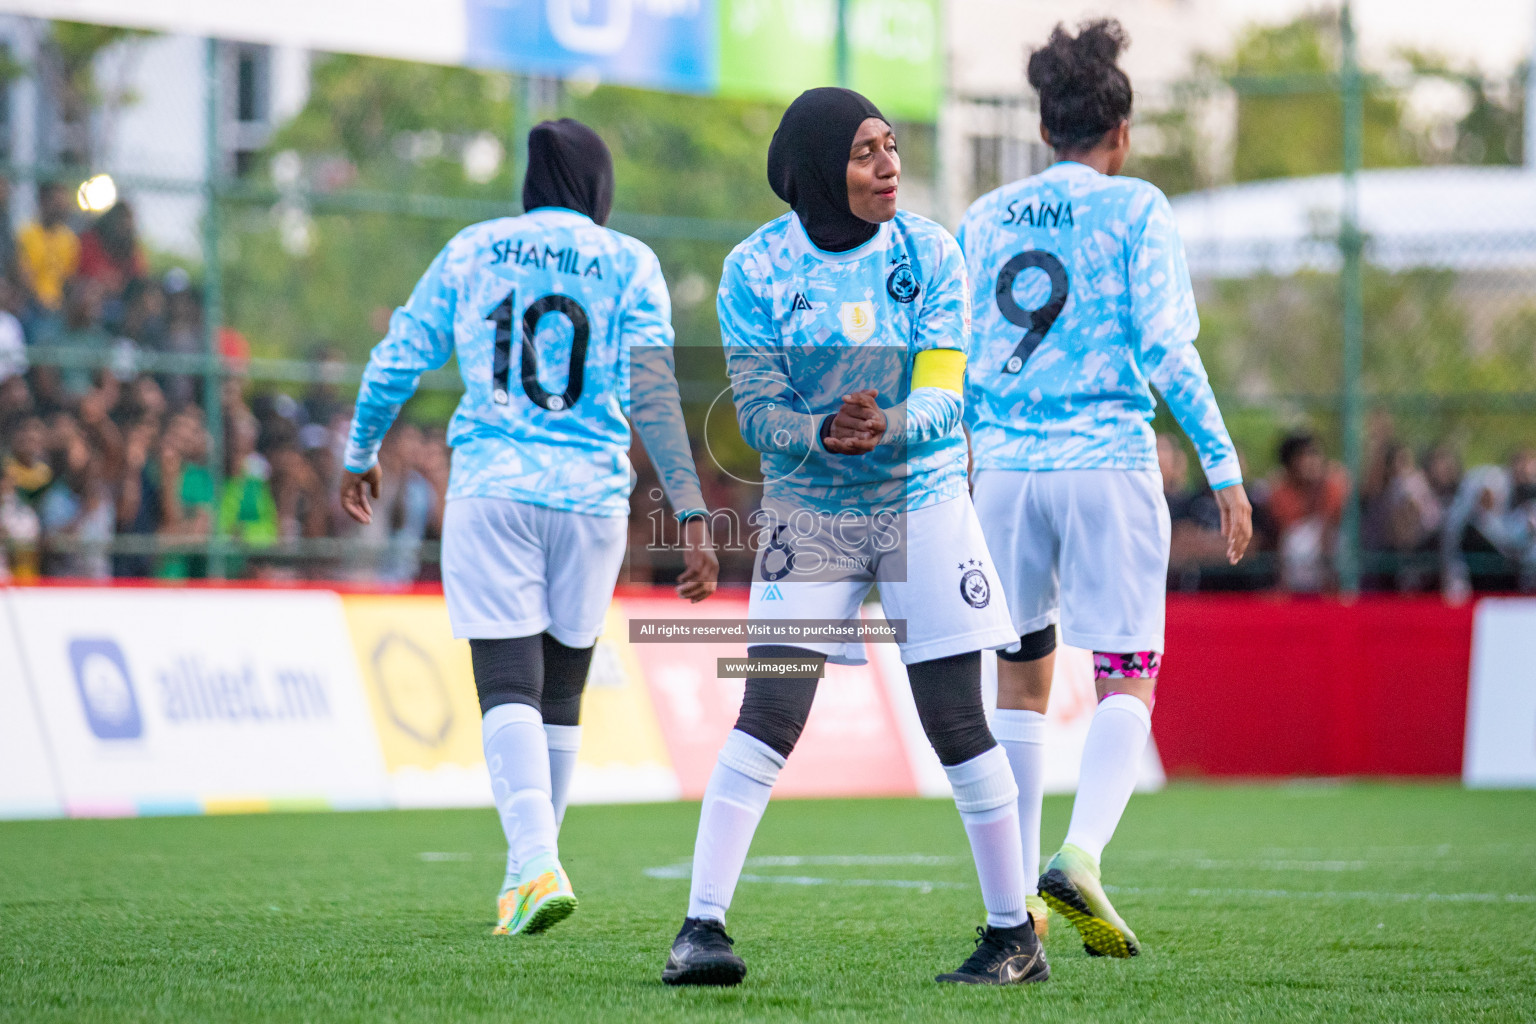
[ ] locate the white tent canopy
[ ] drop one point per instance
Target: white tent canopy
(1459, 218)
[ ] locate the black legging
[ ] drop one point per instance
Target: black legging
(947, 692)
(538, 671)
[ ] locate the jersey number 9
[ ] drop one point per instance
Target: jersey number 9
(501, 368)
(1038, 321)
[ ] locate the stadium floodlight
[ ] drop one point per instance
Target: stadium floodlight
(97, 193)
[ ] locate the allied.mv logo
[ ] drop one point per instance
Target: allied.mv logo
(106, 689)
(858, 320)
(974, 587)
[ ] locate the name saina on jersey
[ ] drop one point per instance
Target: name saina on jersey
(567, 260)
(1041, 215)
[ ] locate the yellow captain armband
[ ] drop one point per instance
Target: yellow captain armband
(939, 368)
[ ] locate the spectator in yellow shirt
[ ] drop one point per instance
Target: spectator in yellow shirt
(47, 251)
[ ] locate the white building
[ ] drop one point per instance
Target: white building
(150, 130)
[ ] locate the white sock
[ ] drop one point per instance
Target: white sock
(734, 802)
(517, 755)
(1117, 737)
(1022, 736)
(988, 801)
(564, 742)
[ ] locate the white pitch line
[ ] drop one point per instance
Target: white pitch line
(433, 858)
(1380, 897)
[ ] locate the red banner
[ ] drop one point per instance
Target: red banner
(1271, 685)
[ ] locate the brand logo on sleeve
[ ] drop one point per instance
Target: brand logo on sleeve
(106, 689)
(858, 319)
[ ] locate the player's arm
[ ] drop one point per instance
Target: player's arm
(420, 338)
(935, 404)
(769, 412)
(1165, 323)
(656, 410)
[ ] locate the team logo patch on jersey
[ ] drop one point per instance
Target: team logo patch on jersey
(974, 587)
(902, 284)
(858, 320)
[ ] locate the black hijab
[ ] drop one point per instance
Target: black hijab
(808, 164)
(569, 165)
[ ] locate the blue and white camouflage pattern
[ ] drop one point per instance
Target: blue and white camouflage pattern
(802, 328)
(558, 453)
(1083, 398)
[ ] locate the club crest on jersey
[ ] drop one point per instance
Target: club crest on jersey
(858, 320)
(902, 283)
(974, 588)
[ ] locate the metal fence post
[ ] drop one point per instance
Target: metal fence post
(1351, 244)
(842, 64)
(213, 301)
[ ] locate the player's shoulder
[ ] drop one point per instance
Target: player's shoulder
(928, 242)
(753, 254)
(1137, 198)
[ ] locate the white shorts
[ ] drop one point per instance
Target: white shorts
(514, 569)
(930, 564)
(1086, 547)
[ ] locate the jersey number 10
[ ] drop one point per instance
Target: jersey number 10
(1038, 321)
(501, 367)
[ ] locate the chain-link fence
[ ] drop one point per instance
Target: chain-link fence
(168, 415)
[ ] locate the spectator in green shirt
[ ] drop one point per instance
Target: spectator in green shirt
(186, 489)
(247, 511)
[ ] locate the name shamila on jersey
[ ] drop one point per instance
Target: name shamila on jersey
(567, 260)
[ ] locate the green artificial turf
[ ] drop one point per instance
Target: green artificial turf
(1338, 903)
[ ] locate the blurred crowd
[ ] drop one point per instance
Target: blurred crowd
(108, 471)
(1426, 523)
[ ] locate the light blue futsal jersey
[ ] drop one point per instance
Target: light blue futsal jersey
(803, 327)
(562, 328)
(1082, 303)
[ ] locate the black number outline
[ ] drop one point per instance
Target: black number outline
(501, 363)
(1037, 321)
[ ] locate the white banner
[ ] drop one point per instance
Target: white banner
(27, 788)
(1501, 701)
(176, 702)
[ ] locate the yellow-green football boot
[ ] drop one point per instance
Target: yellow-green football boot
(541, 902)
(1039, 913)
(1071, 887)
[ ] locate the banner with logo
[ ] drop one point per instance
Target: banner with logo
(1501, 701)
(852, 744)
(27, 787)
(421, 687)
(198, 702)
(123, 702)
(759, 49)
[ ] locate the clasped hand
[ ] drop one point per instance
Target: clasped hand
(858, 426)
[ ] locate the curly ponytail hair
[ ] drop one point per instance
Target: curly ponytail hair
(1083, 93)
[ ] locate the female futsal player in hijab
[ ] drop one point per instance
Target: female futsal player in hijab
(845, 325)
(538, 500)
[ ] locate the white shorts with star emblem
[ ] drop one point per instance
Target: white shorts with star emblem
(930, 565)
(1086, 547)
